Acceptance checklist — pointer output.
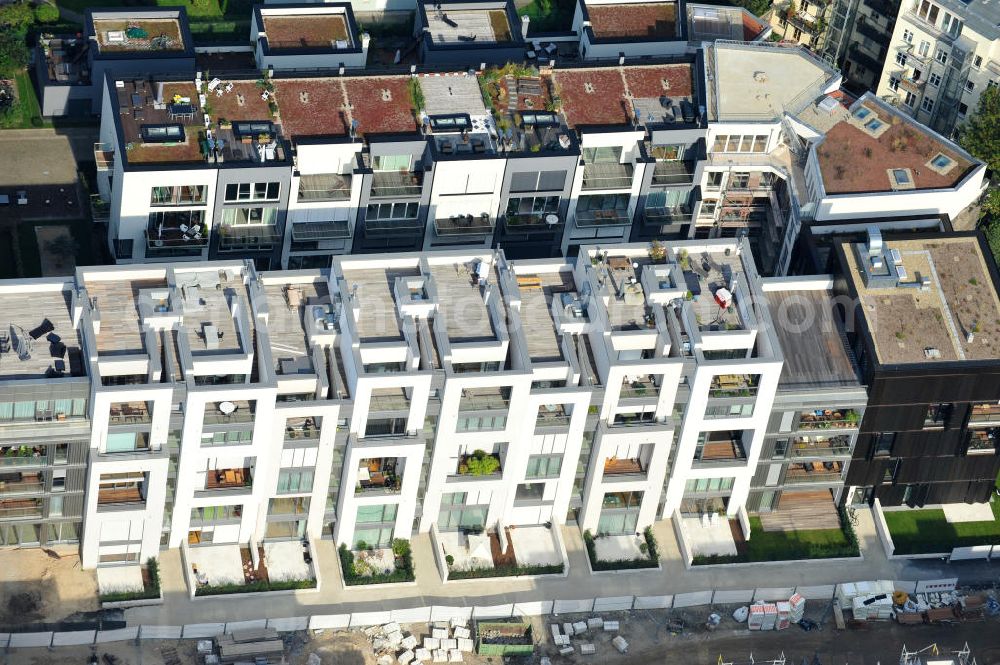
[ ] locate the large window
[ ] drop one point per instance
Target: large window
(377, 514)
(213, 514)
(253, 191)
(709, 485)
(234, 438)
(42, 410)
(619, 513)
(291, 481)
(249, 216)
(543, 466)
(478, 423)
(740, 143)
(667, 153)
(380, 211)
(391, 162)
(532, 206)
(667, 200)
(177, 195)
(455, 515)
(538, 181)
(605, 155)
(289, 506)
(375, 525)
(127, 442)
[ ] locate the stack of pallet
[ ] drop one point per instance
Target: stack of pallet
(250, 646)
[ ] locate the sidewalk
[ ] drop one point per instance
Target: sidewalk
(178, 609)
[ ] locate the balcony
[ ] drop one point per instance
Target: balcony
(228, 479)
(643, 387)
(607, 175)
(229, 412)
(104, 156)
(130, 413)
(480, 464)
(120, 496)
(318, 231)
(667, 216)
(983, 441)
(301, 428)
(829, 419)
(985, 414)
(385, 227)
(184, 238)
(396, 184)
(23, 456)
(834, 446)
(21, 483)
(733, 385)
(909, 83)
(673, 173)
(464, 225)
(378, 476)
(389, 399)
(20, 508)
(588, 218)
(719, 448)
(623, 469)
(248, 238)
(814, 472)
(100, 210)
(485, 399)
(553, 415)
(324, 187)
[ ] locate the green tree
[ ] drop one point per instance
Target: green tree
(46, 13)
(981, 134)
(13, 52)
(17, 16)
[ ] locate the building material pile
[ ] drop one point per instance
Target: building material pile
(260, 645)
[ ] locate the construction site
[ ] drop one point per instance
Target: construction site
(865, 622)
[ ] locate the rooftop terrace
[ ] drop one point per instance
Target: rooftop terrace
(306, 31)
(810, 339)
(872, 148)
(378, 319)
(468, 25)
(466, 316)
(117, 303)
(138, 35)
(938, 303)
(38, 325)
(705, 274)
(289, 306)
(647, 20)
(538, 291)
(206, 296)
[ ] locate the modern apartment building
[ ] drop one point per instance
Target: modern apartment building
(922, 324)
(942, 56)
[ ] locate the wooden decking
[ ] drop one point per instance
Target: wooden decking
(620, 466)
(798, 511)
(499, 558)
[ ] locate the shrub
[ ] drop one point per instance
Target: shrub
(482, 464)
(506, 571)
(46, 13)
(254, 587)
(650, 560)
(450, 560)
(402, 573)
(150, 590)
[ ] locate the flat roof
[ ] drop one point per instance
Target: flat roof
(810, 339)
(873, 148)
(211, 308)
(378, 318)
(466, 315)
(117, 303)
(381, 104)
(147, 35)
(706, 273)
(23, 316)
(615, 95)
(444, 95)
(763, 81)
(909, 324)
(627, 306)
(138, 105)
(649, 20)
(710, 22)
(540, 333)
(306, 31)
(468, 26)
(286, 324)
(312, 107)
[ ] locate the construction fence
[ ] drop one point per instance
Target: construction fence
(434, 613)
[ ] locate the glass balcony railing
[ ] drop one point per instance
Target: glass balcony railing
(606, 175)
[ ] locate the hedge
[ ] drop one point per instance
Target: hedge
(651, 560)
(506, 571)
(403, 572)
(148, 592)
(254, 587)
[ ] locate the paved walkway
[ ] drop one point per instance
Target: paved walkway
(178, 609)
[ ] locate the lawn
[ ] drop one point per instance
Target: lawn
(927, 531)
(790, 545)
(27, 112)
(549, 15)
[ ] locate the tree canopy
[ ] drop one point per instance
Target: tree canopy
(980, 135)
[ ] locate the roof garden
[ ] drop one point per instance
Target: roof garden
(290, 31)
(621, 95)
(641, 20)
(121, 35)
(312, 107)
(873, 148)
(381, 104)
(926, 300)
(525, 106)
(165, 122)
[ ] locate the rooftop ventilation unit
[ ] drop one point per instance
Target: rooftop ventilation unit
(931, 353)
(828, 104)
(901, 273)
(897, 257)
(874, 240)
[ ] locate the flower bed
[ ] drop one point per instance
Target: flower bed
(255, 587)
(403, 571)
(651, 560)
(506, 571)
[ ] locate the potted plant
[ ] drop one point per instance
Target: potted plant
(263, 138)
(225, 124)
